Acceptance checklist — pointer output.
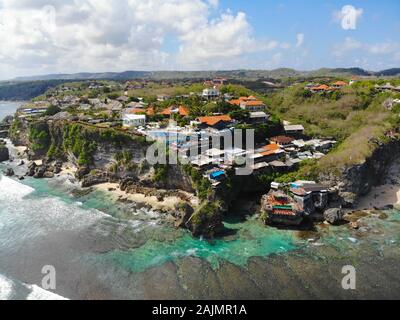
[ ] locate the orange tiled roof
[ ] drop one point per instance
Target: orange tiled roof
(166, 112)
(282, 139)
(135, 111)
(183, 111)
(213, 120)
(270, 149)
(340, 83)
(321, 87)
(235, 102)
(282, 212)
(254, 103)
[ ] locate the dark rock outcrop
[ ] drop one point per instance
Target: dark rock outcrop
(9, 172)
(31, 169)
(182, 214)
(40, 172)
(333, 215)
(4, 154)
(82, 172)
(91, 180)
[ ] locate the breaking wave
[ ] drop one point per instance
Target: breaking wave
(14, 290)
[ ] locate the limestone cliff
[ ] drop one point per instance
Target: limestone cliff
(358, 180)
(109, 155)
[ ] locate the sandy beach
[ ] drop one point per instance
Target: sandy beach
(380, 197)
(386, 194)
(168, 204)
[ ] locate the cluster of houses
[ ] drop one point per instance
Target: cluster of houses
(279, 154)
(388, 87)
(318, 88)
(215, 83)
(390, 103)
(290, 204)
(207, 150)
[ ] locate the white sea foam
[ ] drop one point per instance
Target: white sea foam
(16, 290)
(13, 189)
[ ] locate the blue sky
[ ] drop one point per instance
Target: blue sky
(379, 24)
(52, 36)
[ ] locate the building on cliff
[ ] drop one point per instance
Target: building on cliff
(289, 204)
(281, 209)
(133, 120)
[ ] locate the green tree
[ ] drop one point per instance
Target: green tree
(52, 110)
(240, 115)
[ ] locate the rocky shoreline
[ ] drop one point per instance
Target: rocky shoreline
(119, 160)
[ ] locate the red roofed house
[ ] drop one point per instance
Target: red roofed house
(321, 88)
(271, 152)
(339, 84)
(134, 111)
(251, 104)
(181, 110)
(216, 122)
(282, 140)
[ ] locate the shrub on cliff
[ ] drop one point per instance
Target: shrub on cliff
(207, 219)
(52, 110)
(39, 136)
(200, 184)
(161, 173)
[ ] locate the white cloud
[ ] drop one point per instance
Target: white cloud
(348, 17)
(368, 55)
(348, 45)
(300, 39)
(100, 35)
(384, 48)
(229, 36)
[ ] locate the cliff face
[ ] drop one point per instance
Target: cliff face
(357, 181)
(4, 155)
(105, 155)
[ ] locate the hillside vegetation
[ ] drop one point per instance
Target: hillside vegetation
(355, 116)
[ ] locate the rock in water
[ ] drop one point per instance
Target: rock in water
(40, 172)
(4, 154)
(334, 215)
(48, 175)
(9, 172)
(31, 169)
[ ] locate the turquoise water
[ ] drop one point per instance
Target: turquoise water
(163, 243)
(152, 242)
(252, 240)
(98, 245)
(123, 254)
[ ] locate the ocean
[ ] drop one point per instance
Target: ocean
(102, 249)
(8, 108)
(43, 223)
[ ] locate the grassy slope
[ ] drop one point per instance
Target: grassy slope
(356, 118)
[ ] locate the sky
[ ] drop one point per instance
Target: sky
(69, 36)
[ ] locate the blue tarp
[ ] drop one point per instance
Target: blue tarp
(216, 175)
